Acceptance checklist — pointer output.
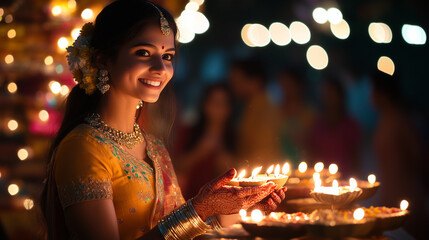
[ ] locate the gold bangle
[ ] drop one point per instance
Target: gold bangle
(182, 223)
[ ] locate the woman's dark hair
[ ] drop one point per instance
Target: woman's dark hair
(387, 85)
(117, 23)
(198, 129)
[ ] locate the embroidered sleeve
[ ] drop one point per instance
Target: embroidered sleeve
(84, 190)
(82, 169)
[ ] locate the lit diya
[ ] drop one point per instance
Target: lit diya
(257, 179)
(336, 196)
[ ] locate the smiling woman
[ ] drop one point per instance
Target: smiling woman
(107, 177)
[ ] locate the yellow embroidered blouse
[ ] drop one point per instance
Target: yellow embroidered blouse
(89, 166)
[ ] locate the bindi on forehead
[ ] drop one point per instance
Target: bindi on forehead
(162, 46)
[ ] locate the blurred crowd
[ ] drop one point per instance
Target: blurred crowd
(238, 124)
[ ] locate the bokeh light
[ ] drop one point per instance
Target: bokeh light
(12, 125)
(334, 15)
(320, 15)
(318, 167)
(302, 167)
(258, 35)
(8, 18)
(413, 34)
(11, 33)
(12, 87)
(55, 87)
(359, 214)
(200, 2)
(64, 90)
(59, 69)
(87, 14)
(300, 33)
(13, 189)
(22, 154)
(386, 65)
(49, 60)
(63, 43)
(380, 32)
(44, 115)
(28, 204)
(340, 30)
(71, 4)
(192, 6)
(245, 36)
(404, 205)
(75, 33)
(280, 34)
(317, 57)
(371, 178)
(333, 168)
(257, 215)
(56, 10)
(1, 12)
(9, 59)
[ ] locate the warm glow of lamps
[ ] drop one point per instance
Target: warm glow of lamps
(320, 15)
(64, 90)
(256, 215)
(279, 34)
(371, 178)
(334, 15)
(12, 87)
(13, 189)
(386, 65)
(12, 125)
(44, 115)
(242, 174)
(56, 10)
(258, 35)
(9, 59)
(353, 184)
(192, 6)
(404, 205)
(286, 168)
(11, 33)
(22, 154)
(87, 14)
(318, 167)
(243, 214)
(49, 60)
(277, 170)
(63, 43)
(75, 33)
(28, 204)
(340, 30)
(270, 169)
(317, 57)
(359, 214)
(300, 32)
(333, 168)
(302, 167)
(255, 172)
(55, 87)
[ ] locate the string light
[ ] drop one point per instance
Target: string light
(63, 43)
(49, 60)
(340, 30)
(258, 35)
(9, 59)
(413, 34)
(28, 204)
(22, 154)
(12, 125)
(300, 32)
(71, 4)
(334, 15)
(280, 34)
(64, 90)
(87, 14)
(11, 33)
(8, 18)
(13, 189)
(75, 33)
(55, 87)
(317, 57)
(56, 10)
(44, 115)
(386, 65)
(320, 15)
(12, 87)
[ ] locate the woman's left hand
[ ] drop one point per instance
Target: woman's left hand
(272, 201)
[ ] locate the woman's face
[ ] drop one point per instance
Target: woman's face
(144, 65)
(217, 106)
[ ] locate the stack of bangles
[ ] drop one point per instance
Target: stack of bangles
(184, 223)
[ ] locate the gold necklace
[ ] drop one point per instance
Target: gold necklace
(130, 140)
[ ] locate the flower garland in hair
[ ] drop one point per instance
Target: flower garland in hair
(79, 60)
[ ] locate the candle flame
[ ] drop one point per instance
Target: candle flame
(256, 215)
(302, 167)
(286, 168)
(371, 178)
(243, 214)
(353, 183)
(358, 214)
(333, 168)
(317, 185)
(318, 167)
(242, 173)
(404, 205)
(277, 170)
(256, 171)
(316, 176)
(270, 169)
(274, 215)
(335, 184)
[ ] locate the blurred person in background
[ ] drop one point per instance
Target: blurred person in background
(209, 144)
(399, 155)
(296, 116)
(257, 127)
(336, 136)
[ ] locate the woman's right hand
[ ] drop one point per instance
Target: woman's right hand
(218, 198)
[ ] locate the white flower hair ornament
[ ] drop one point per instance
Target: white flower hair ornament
(79, 59)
